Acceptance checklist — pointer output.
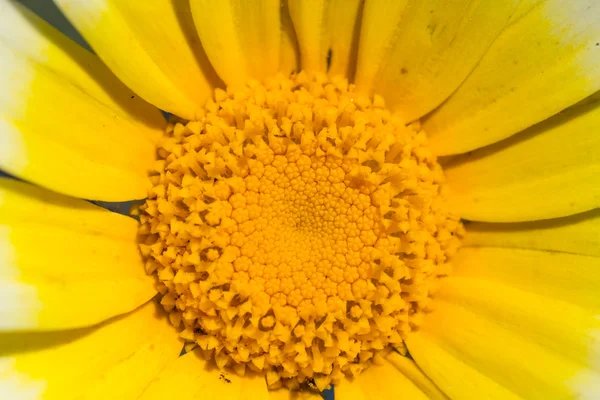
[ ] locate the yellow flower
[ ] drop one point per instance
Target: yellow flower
(503, 92)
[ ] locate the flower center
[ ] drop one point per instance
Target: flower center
(296, 229)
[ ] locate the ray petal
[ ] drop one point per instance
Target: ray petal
(551, 170)
(241, 38)
(545, 60)
(151, 46)
(64, 262)
(194, 378)
(415, 53)
(66, 123)
(115, 360)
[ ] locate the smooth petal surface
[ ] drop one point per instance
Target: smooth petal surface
(456, 378)
(545, 60)
(379, 20)
(344, 24)
(66, 123)
(115, 360)
(242, 38)
(551, 170)
(151, 46)
(388, 381)
(579, 234)
(31, 38)
(416, 376)
(289, 54)
(558, 325)
(328, 34)
(532, 346)
(521, 322)
(65, 263)
(310, 18)
(192, 377)
(562, 276)
(415, 53)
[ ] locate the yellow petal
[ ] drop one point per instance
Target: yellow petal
(456, 378)
(328, 34)
(524, 321)
(115, 360)
(151, 46)
(191, 377)
(563, 328)
(551, 170)
(415, 53)
(562, 276)
(502, 350)
(344, 22)
(416, 376)
(289, 53)
(66, 123)
(310, 23)
(579, 234)
(379, 20)
(29, 37)
(241, 38)
(64, 262)
(545, 60)
(379, 382)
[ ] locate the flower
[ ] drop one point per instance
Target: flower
(502, 95)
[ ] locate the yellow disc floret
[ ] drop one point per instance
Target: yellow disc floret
(296, 229)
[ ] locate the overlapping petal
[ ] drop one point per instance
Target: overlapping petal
(116, 360)
(66, 123)
(151, 46)
(65, 263)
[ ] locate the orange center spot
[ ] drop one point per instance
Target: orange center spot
(296, 229)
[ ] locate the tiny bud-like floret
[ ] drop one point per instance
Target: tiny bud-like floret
(296, 229)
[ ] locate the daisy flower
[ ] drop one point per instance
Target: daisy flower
(364, 199)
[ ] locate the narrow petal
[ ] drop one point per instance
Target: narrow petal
(241, 38)
(561, 327)
(328, 32)
(29, 37)
(380, 382)
(192, 377)
(289, 54)
(115, 360)
(514, 86)
(455, 377)
(344, 23)
(310, 22)
(66, 123)
(563, 276)
(416, 375)
(531, 346)
(379, 20)
(65, 263)
(415, 53)
(579, 234)
(549, 171)
(151, 46)
(521, 321)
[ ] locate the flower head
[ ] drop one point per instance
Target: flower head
(305, 204)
